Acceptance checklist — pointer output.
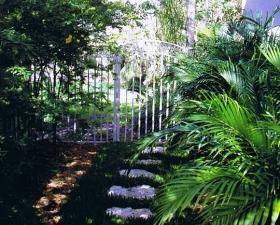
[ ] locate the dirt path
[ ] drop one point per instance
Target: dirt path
(75, 163)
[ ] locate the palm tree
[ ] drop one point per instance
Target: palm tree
(240, 181)
(229, 60)
(233, 111)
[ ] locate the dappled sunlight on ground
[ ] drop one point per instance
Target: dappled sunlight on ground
(75, 164)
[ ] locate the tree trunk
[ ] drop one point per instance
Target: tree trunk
(208, 9)
(54, 96)
(54, 128)
(190, 24)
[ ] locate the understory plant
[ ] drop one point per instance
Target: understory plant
(239, 181)
(228, 112)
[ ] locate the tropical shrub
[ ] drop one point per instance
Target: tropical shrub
(238, 182)
(43, 47)
(228, 108)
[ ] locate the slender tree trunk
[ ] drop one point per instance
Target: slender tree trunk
(68, 82)
(54, 96)
(38, 85)
(35, 79)
(54, 80)
(190, 24)
(88, 84)
(59, 87)
(208, 9)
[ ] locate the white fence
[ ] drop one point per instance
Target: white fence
(132, 96)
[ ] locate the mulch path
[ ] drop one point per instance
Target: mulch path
(77, 159)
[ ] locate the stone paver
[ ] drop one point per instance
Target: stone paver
(136, 173)
(145, 162)
(154, 150)
(129, 213)
(139, 192)
(148, 162)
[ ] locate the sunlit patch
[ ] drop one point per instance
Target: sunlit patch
(51, 212)
(44, 201)
(71, 179)
(59, 198)
(56, 219)
(80, 172)
(75, 164)
(86, 163)
(57, 183)
(72, 164)
(92, 153)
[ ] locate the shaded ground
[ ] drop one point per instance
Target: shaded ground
(88, 201)
(74, 164)
(34, 183)
(69, 186)
(65, 186)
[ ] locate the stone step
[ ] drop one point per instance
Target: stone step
(148, 162)
(154, 150)
(141, 192)
(145, 162)
(129, 213)
(162, 141)
(137, 173)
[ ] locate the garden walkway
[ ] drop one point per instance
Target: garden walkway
(102, 188)
(140, 192)
(75, 163)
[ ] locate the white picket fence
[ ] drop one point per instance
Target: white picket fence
(134, 97)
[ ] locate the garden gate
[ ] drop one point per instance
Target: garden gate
(132, 96)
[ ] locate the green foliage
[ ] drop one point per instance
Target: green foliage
(219, 10)
(43, 45)
(239, 182)
(228, 59)
(227, 117)
(172, 16)
(22, 72)
(273, 56)
(172, 20)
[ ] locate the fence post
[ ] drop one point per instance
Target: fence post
(117, 95)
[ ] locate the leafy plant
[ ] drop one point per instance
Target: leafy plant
(43, 45)
(239, 182)
(227, 115)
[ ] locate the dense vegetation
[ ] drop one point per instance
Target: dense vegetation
(172, 16)
(224, 128)
(228, 116)
(44, 47)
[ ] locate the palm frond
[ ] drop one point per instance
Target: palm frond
(222, 195)
(227, 119)
(272, 54)
(240, 85)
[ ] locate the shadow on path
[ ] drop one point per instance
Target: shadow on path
(88, 201)
(74, 164)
